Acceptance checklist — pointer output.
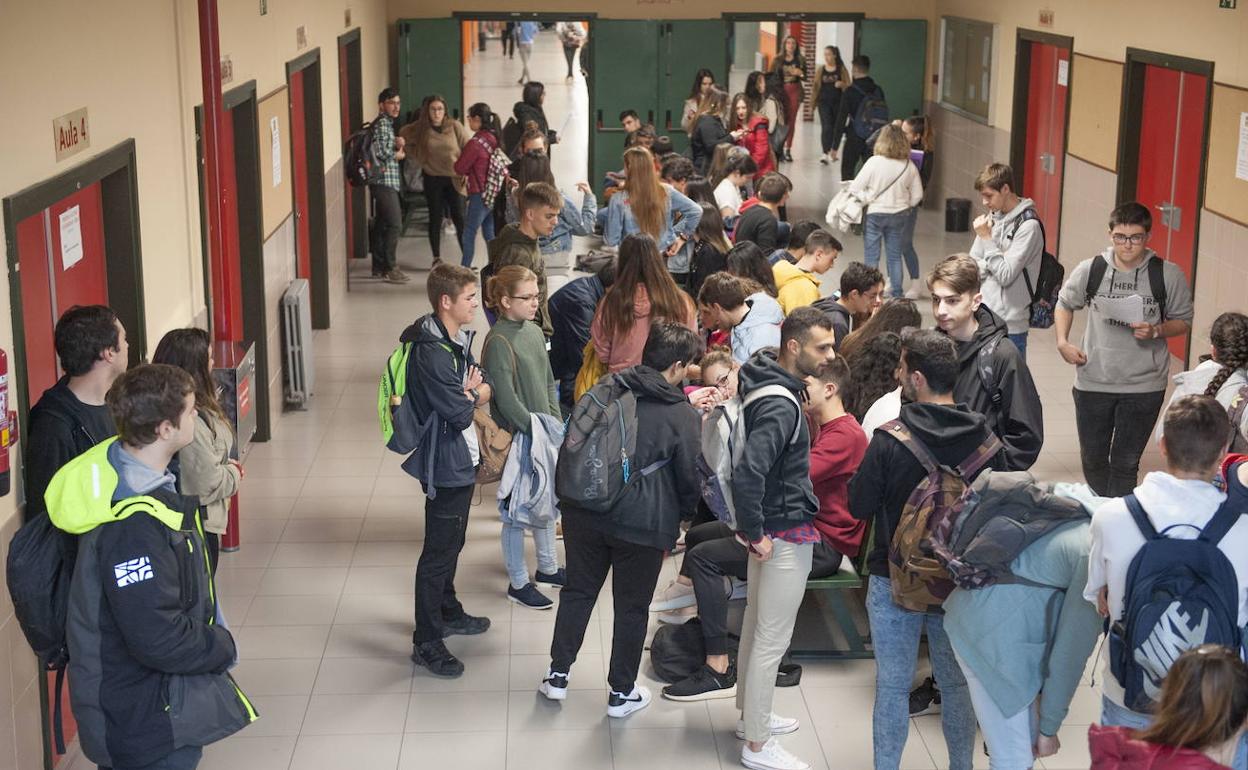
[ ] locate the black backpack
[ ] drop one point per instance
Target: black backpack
(1179, 595)
(1156, 281)
(1042, 293)
(871, 114)
(677, 651)
(359, 157)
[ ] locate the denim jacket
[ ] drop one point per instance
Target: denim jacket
(685, 212)
(571, 222)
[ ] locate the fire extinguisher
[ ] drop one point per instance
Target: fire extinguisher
(8, 425)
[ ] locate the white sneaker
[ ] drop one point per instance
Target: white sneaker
(916, 291)
(773, 756)
(779, 726)
(675, 596)
(620, 705)
(678, 617)
(555, 685)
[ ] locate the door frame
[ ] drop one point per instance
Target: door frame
(1018, 119)
(856, 17)
(314, 145)
(116, 169)
(354, 202)
(250, 238)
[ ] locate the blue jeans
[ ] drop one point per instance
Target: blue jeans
(1020, 342)
(513, 552)
(907, 244)
(895, 633)
(479, 217)
(1113, 715)
(891, 229)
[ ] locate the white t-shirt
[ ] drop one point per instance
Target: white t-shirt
(1116, 539)
(728, 196)
(885, 409)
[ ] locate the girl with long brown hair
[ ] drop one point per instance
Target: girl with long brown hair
(754, 134)
(206, 468)
(643, 293)
(434, 143)
(646, 205)
(708, 129)
(791, 66)
(831, 80)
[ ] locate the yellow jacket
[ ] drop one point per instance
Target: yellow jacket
(797, 287)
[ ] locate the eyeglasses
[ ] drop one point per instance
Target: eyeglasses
(1135, 239)
(524, 297)
(721, 382)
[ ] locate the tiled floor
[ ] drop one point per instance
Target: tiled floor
(320, 594)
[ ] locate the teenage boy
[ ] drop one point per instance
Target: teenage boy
(798, 284)
(71, 416)
(888, 475)
(540, 204)
(387, 190)
(1122, 370)
(796, 246)
(1009, 241)
(753, 319)
(444, 386)
(862, 292)
(1179, 502)
(631, 539)
(630, 121)
(855, 146)
(993, 378)
(775, 508)
(677, 171)
(148, 647)
(760, 222)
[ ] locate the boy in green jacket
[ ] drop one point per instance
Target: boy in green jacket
(540, 204)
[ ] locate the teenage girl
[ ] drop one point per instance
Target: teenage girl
(792, 67)
(831, 80)
(474, 163)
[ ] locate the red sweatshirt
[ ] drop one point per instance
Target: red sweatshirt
(757, 141)
(1113, 748)
(834, 458)
(474, 161)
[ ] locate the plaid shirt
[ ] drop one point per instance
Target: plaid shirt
(383, 143)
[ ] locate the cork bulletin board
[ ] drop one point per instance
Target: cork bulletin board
(273, 123)
(1226, 191)
(1095, 100)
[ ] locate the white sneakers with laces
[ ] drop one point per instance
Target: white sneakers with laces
(772, 756)
(779, 726)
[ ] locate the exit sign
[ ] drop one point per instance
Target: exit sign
(1226, 3)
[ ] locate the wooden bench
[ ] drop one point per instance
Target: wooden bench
(833, 591)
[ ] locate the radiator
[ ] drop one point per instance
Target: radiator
(297, 340)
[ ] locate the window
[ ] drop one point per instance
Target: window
(967, 66)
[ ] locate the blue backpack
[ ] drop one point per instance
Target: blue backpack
(1180, 594)
(872, 113)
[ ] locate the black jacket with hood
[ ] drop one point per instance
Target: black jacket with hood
(708, 132)
(61, 428)
(857, 91)
(1019, 420)
(842, 320)
(435, 390)
(771, 487)
(571, 313)
(889, 472)
(650, 510)
(525, 112)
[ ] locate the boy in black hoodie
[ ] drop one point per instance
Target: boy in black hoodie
(71, 416)
(629, 541)
(862, 292)
(993, 378)
(887, 476)
(444, 386)
(855, 146)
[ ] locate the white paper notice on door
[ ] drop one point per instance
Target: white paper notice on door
(1241, 159)
(1063, 72)
(71, 237)
(277, 151)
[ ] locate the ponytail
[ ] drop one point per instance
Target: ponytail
(1229, 337)
(489, 120)
(922, 125)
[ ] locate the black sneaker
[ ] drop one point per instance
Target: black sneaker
(925, 699)
(530, 597)
(559, 579)
(439, 660)
(465, 625)
(704, 684)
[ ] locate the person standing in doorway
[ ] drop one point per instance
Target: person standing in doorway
(571, 35)
(386, 191)
(791, 66)
(1121, 372)
(703, 82)
(474, 164)
(855, 145)
(524, 41)
(435, 141)
(831, 80)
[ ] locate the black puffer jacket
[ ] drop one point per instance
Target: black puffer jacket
(771, 488)
(649, 511)
(526, 112)
(1019, 419)
(708, 132)
(571, 313)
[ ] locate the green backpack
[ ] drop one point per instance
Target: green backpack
(399, 426)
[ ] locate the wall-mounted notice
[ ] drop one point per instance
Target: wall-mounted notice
(71, 237)
(1063, 72)
(276, 131)
(71, 134)
(1241, 158)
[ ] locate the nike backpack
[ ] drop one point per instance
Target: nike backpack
(1179, 595)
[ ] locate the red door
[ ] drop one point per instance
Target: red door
(60, 253)
(1168, 178)
(227, 298)
(299, 153)
(1045, 145)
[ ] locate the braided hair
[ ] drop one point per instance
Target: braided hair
(1229, 337)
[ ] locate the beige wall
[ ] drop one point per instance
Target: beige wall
(653, 9)
(135, 67)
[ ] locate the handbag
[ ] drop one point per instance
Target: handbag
(592, 369)
(493, 443)
(846, 209)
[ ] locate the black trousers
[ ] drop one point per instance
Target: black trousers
(212, 542)
(446, 522)
(387, 224)
(713, 554)
(443, 200)
(1113, 432)
(634, 572)
(508, 39)
(855, 151)
(827, 123)
(569, 53)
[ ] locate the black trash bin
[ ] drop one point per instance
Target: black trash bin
(957, 215)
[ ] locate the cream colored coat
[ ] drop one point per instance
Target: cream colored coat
(207, 473)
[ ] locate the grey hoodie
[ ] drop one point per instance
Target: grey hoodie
(1002, 260)
(1117, 361)
(759, 329)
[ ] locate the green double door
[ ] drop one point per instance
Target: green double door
(429, 63)
(898, 51)
(647, 66)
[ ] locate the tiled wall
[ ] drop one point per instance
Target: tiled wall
(1221, 275)
(336, 235)
(963, 148)
(279, 271)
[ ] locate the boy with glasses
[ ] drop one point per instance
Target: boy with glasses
(1135, 300)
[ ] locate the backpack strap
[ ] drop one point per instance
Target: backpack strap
(1239, 403)
(987, 374)
(1141, 518)
(1028, 215)
(782, 392)
(983, 454)
(898, 430)
(1096, 274)
(1223, 519)
(1157, 283)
